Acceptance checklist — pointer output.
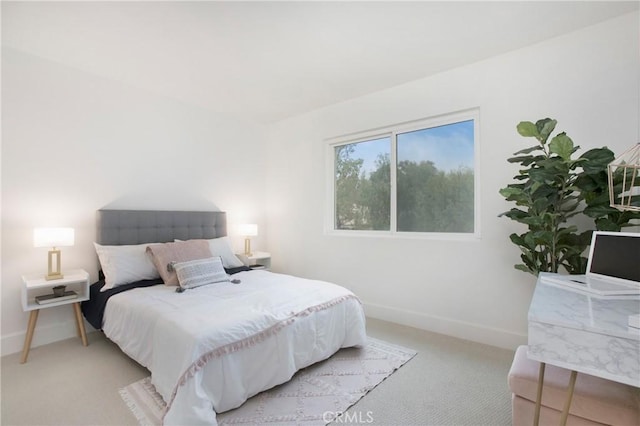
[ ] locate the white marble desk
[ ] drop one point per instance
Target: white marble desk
(583, 333)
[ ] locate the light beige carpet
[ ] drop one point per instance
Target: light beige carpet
(316, 395)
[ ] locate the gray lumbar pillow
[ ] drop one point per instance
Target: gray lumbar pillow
(196, 273)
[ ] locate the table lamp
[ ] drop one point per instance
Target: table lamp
(248, 230)
(54, 238)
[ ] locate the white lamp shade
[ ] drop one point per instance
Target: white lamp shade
(53, 237)
(248, 229)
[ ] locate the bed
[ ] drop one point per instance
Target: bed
(212, 347)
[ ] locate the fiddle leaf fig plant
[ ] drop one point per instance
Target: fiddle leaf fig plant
(545, 196)
(552, 187)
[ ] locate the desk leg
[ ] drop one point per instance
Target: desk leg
(80, 324)
(536, 416)
(33, 319)
(567, 403)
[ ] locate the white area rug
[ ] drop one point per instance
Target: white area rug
(314, 396)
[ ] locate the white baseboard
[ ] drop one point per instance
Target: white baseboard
(451, 327)
(42, 335)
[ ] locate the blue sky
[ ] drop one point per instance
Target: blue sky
(370, 150)
(448, 147)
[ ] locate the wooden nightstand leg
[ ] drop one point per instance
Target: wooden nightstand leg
(33, 319)
(80, 324)
(77, 326)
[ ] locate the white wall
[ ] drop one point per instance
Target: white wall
(587, 80)
(74, 143)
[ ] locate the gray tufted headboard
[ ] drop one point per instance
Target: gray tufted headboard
(120, 227)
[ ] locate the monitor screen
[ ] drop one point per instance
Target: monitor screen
(615, 255)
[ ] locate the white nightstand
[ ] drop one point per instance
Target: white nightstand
(257, 260)
(34, 286)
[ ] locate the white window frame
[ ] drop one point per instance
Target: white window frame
(392, 131)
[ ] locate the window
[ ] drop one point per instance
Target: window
(415, 178)
(362, 185)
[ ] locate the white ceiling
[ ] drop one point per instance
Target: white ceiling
(266, 61)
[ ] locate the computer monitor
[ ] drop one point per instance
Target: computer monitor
(615, 256)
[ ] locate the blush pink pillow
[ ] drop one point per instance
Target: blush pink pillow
(181, 251)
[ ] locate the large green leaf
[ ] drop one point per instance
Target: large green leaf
(575, 264)
(556, 165)
(568, 236)
(532, 220)
(545, 127)
(516, 239)
(545, 191)
(544, 237)
(528, 150)
(626, 216)
(527, 129)
(510, 192)
(562, 145)
(591, 182)
(516, 185)
(595, 199)
(525, 159)
(520, 198)
(530, 241)
(584, 238)
(535, 186)
(606, 224)
(545, 175)
(597, 211)
(515, 214)
(597, 160)
(542, 203)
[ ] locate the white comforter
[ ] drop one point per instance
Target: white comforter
(213, 347)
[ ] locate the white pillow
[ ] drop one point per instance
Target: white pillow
(125, 264)
(221, 247)
(196, 273)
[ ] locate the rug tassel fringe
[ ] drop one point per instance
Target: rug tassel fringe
(134, 408)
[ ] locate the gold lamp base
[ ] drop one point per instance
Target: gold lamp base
(50, 277)
(54, 274)
(247, 247)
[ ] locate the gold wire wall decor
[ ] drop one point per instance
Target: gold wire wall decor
(624, 180)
